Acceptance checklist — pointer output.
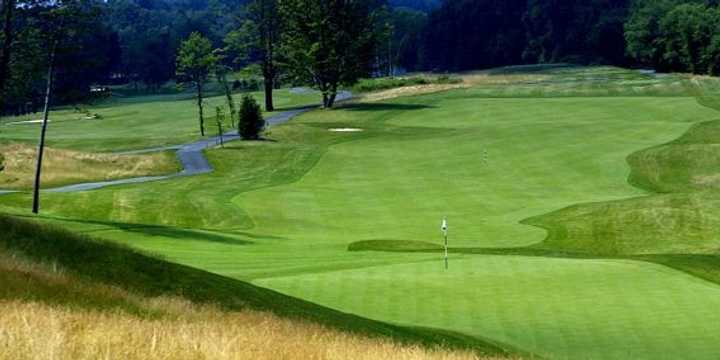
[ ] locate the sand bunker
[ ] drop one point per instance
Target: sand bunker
(27, 122)
(346, 130)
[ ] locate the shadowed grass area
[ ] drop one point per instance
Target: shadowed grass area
(393, 245)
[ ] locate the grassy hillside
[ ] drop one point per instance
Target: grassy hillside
(623, 274)
(48, 273)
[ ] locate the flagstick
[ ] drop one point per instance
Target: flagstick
(446, 252)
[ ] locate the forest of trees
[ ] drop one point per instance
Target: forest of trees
(668, 35)
(136, 42)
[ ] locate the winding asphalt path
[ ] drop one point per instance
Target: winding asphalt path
(191, 156)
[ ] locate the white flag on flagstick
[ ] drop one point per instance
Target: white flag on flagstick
(444, 226)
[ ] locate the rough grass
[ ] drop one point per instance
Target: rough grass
(690, 163)
(378, 84)
(62, 167)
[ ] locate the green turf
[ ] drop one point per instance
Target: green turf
(553, 153)
(135, 122)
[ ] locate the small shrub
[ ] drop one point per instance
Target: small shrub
(251, 122)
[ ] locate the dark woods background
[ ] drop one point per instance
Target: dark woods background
(135, 42)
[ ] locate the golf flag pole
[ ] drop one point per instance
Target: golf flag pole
(444, 228)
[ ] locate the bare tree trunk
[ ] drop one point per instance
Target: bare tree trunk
(200, 108)
(269, 87)
(326, 100)
(46, 112)
(230, 100)
(9, 6)
(332, 96)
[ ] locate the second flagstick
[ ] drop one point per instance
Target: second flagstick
(444, 228)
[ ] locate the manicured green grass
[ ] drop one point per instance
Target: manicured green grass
(495, 160)
(134, 122)
(556, 308)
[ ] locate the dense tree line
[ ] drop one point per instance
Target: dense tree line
(675, 35)
(471, 34)
(669, 35)
(136, 41)
(84, 52)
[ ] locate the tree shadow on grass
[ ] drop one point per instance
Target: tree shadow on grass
(384, 107)
(166, 231)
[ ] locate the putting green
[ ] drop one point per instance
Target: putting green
(283, 213)
(556, 308)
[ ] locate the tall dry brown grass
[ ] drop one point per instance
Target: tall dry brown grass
(39, 331)
(469, 79)
(62, 167)
(169, 328)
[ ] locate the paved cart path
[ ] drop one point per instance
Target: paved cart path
(191, 156)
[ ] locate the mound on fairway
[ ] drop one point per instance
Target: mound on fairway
(71, 288)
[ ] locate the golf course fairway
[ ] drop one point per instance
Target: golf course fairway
(508, 165)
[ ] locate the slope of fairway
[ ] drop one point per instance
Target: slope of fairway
(485, 163)
(283, 213)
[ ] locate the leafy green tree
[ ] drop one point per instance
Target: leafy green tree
(251, 122)
(687, 31)
(195, 62)
(642, 30)
(328, 42)
(712, 53)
